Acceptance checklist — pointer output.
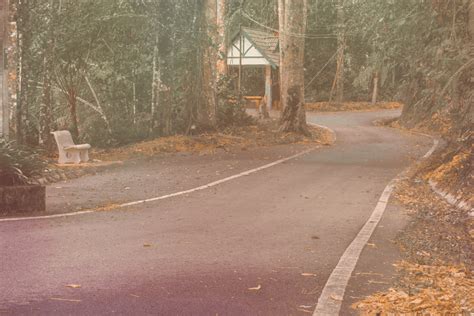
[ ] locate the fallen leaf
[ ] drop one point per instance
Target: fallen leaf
(255, 288)
(304, 310)
(65, 299)
(74, 286)
(336, 297)
(377, 282)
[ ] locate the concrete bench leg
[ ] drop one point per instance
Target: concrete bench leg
(70, 156)
(84, 155)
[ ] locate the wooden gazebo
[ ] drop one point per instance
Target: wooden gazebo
(256, 48)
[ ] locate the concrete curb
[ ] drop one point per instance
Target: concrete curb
(451, 199)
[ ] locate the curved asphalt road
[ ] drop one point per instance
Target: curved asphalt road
(281, 230)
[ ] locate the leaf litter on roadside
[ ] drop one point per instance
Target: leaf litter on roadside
(425, 290)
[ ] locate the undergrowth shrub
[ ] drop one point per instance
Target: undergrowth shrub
(231, 107)
(18, 163)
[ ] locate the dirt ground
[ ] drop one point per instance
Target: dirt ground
(351, 106)
(264, 133)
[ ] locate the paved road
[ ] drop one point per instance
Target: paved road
(281, 230)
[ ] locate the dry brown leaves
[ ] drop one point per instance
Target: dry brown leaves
(263, 134)
(455, 174)
(438, 229)
(431, 290)
(438, 278)
(351, 106)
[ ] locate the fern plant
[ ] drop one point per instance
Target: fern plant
(18, 164)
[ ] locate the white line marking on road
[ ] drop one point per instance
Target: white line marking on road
(431, 151)
(202, 187)
(212, 184)
(330, 301)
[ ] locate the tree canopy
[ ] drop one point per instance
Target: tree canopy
(119, 71)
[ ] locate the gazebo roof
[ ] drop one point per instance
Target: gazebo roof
(265, 43)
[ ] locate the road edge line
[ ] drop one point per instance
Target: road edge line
(199, 188)
(332, 296)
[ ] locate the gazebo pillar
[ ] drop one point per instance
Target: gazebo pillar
(268, 86)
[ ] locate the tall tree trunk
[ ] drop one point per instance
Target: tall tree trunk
(338, 85)
(375, 90)
(46, 111)
(293, 118)
(471, 23)
(194, 107)
(72, 100)
(221, 65)
(211, 64)
(24, 42)
(98, 107)
(281, 36)
(167, 122)
(155, 83)
(4, 70)
(134, 103)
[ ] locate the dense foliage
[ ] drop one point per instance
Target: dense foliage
(118, 71)
(98, 62)
(18, 163)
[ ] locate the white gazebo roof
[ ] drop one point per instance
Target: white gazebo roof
(259, 48)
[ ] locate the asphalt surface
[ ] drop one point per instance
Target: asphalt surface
(263, 244)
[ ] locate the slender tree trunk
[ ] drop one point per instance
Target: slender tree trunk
(221, 41)
(100, 110)
(46, 106)
(134, 104)
(471, 23)
(338, 85)
(155, 83)
(212, 67)
(4, 70)
(167, 123)
(281, 35)
(153, 88)
(293, 118)
(375, 90)
(24, 42)
(194, 107)
(45, 111)
(72, 100)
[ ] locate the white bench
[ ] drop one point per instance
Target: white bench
(68, 151)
